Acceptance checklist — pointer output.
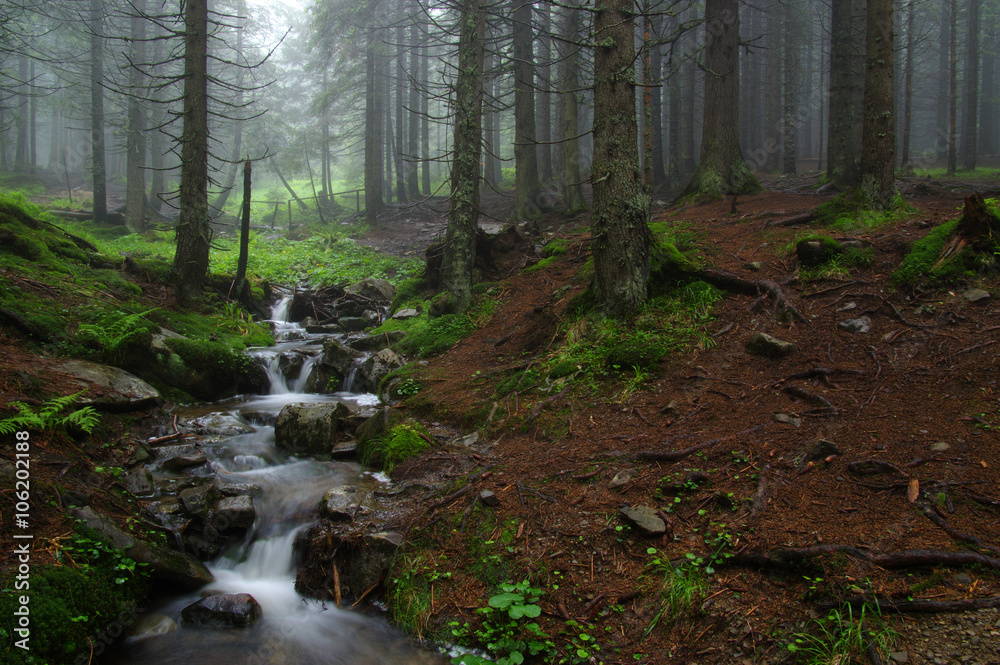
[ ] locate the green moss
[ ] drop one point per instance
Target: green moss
(555, 247)
(923, 263)
(562, 369)
(668, 267)
(428, 337)
(74, 608)
(854, 209)
(400, 443)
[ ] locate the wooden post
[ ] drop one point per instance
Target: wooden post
(357, 199)
(289, 215)
(274, 217)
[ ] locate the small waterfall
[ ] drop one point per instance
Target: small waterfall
(307, 365)
(352, 374)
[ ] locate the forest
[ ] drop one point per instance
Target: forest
(492, 331)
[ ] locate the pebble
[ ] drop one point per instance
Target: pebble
(950, 639)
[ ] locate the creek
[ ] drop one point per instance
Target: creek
(292, 629)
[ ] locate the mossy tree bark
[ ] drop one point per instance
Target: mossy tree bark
(193, 231)
(878, 137)
(847, 86)
(619, 225)
(525, 151)
(722, 170)
(463, 216)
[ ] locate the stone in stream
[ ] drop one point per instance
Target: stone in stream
(139, 482)
(406, 313)
(335, 363)
(224, 610)
(361, 559)
(378, 341)
(218, 424)
(234, 512)
(354, 323)
(762, 344)
(377, 367)
(151, 625)
(378, 290)
(309, 429)
(343, 504)
(199, 500)
(183, 462)
(645, 519)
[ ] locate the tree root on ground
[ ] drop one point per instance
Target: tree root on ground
(905, 606)
(671, 455)
(728, 281)
(789, 558)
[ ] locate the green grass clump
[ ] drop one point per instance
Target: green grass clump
(853, 210)
(842, 636)
(399, 444)
(76, 607)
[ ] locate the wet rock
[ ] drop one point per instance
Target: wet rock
(326, 329)
(224, 610)
(335, 363)
(290, 364)
(361, 559)
(141, 453)
(344, 450)
(199, 500)
(622, 478)
(378, 290)
(234, 512)
(378, 341)
(762, 344)
(354, 323)
(976, 295)
(169, 569)
(407, 313)
(489, 498)
(110, 388)
(218, 424)
(862, 324)
(184, 462)
(821, 451)
(643, 518)
(309, 429)
(240, 489)
(343, 504)
(151, 625)
(377, 425)
(377, 367)
(139, 482)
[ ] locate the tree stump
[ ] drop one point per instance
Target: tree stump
(978, 223)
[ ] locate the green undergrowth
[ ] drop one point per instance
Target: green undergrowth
(833, 261)
(991, 175)
(76, 607)
(939, 258)
(429, 336)
(843, 636)
(400, 443)
(551, 252)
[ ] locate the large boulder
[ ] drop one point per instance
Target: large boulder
(343, 504)
(224, 610)
(361, 559)
(309, 429)
(169, 569)
(377, 290)
(378, 341)
(110, 388)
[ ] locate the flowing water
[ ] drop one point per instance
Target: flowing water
(293, 630)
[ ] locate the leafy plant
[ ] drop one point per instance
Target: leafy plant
(116, 334)
(50, 416)
(842, 637)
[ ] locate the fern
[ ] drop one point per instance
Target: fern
(47, 417)
(115, 334)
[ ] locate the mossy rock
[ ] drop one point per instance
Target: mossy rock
(400, 443)
(817, 249)
(208, 370)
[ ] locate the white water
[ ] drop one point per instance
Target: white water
(293, 630)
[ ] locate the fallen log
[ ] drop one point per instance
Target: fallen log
(791, 220)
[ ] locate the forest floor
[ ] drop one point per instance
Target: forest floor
(910, 411)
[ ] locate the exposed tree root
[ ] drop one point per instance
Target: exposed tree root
(933, 516)
(789, 558)
(669, 456)
(902, 606)
(728, 281)
(792, 220)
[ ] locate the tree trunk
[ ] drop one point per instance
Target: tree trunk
(878, 143)
(413, 133)
(97, 109)
(656, 107)
(689, 83)
(241, 263)
(491, 170)
(772, 92)
(157, 180)
(525, 150)
(135, 184)
(215, 209)
(544, 59)
(22, 155)
(674, 155)
(425, 132)
(620, 236)
(952, 87)
(847, 77)
(463, 216)
(572, 190)
(401, 79)
(908, 87)
(373, 130)
(193, 231)
(988, 105)
(722, 170)
(791, 54)
(970, 127)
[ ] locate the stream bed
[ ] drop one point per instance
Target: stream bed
(286, 493)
